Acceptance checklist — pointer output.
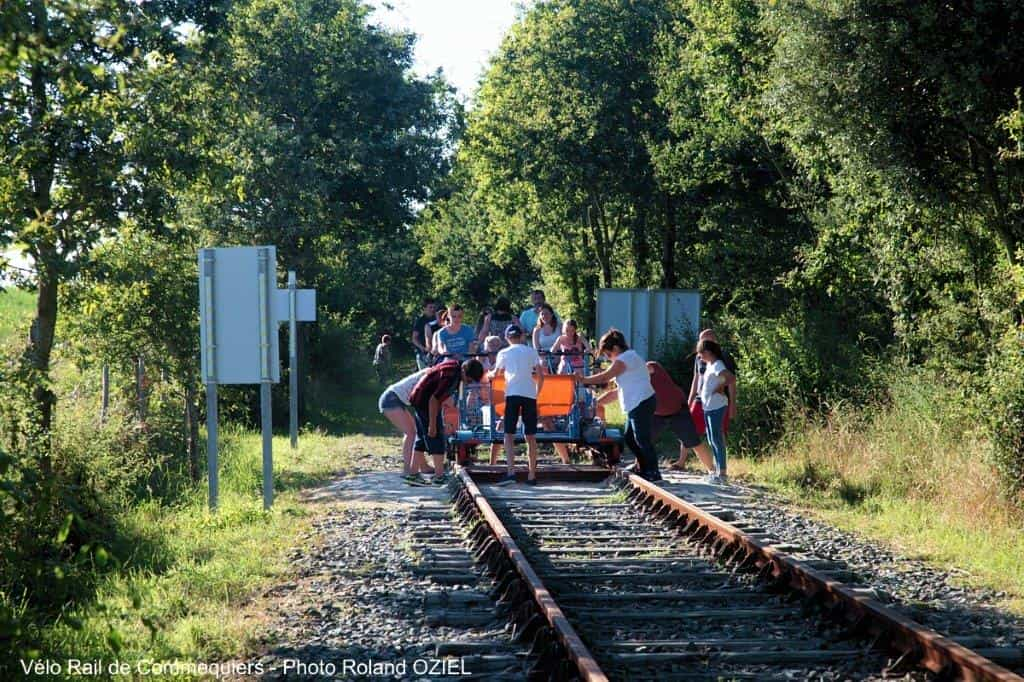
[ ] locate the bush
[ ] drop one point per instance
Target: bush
(800, 361)
(1007, 414)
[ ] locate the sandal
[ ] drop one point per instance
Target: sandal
(676, 466)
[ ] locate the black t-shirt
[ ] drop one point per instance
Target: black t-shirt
(418, 325)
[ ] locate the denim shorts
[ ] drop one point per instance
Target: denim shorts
(389, 400)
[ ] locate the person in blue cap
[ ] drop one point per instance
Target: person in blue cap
(524, 375)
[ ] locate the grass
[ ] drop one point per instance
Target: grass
(190, 583)
(187, 585)
(914, 474)
(16, 308)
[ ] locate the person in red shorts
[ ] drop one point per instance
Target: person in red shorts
(696, 409)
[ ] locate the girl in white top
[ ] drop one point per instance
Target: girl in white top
(713, 388)
(394, 404)
(545, 335)
(636, 395)
(547, 331)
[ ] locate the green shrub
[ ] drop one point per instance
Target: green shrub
(1007, 412)
(802, 360)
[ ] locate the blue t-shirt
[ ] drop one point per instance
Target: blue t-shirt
(458, 342)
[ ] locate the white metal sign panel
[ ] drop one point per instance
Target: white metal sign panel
(238, 325)
(649, 318)
(305, 305)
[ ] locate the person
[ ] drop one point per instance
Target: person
(491, 346)
(528, 318)
(636, 396)
(571, 342)
(671, 412)
(714, 402)
(546, 333)
(524, 376)
(430, 332)
(696, 410)
(493, 322)
(419, 341)
(382, 359)
(394, 404)
(456, 339)
(434, 387)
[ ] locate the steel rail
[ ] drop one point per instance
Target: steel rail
(546, 604)
(927, 647)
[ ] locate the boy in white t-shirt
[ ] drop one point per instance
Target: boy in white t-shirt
(520, 364)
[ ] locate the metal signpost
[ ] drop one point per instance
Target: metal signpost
(239, 309)
(293, 306)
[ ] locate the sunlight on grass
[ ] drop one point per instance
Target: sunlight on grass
(16, 308)
(189, 574)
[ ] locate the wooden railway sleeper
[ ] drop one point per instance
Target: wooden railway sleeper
(501, 586)
(531, 620)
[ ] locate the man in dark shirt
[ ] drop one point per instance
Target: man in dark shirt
(420, 343)
(433, 388)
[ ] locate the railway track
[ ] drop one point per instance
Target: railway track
(634, 583)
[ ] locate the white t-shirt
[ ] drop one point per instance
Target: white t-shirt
(635, 383)
(403, 387)
(518, 361)
(709, 397)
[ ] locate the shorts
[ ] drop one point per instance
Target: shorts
(682, 426)
(519, 405)
(424, 443)
(389, 400)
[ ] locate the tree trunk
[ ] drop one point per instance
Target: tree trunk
(44, 252)
(668, 246)
(641, 252)
(41, 346)
(141, 390)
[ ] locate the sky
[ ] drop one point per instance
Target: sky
(456, 36)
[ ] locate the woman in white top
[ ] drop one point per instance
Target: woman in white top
(636, 395)
(394, 404)
(713, 388)
(546, 333)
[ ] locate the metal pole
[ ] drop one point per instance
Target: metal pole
(265, 406)
(268, 445)
(210, 379)
(211, 442)
(293, 365)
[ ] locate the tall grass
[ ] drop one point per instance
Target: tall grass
(915, 469)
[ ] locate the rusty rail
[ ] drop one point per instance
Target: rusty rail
(926, 647)
(574, 647)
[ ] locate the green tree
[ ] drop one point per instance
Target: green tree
(67, 171)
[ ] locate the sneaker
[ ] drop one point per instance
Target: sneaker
(439, 480)
(711, 479)
(415, 479)
(652, 476)
(531, 481)
(508, 480)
